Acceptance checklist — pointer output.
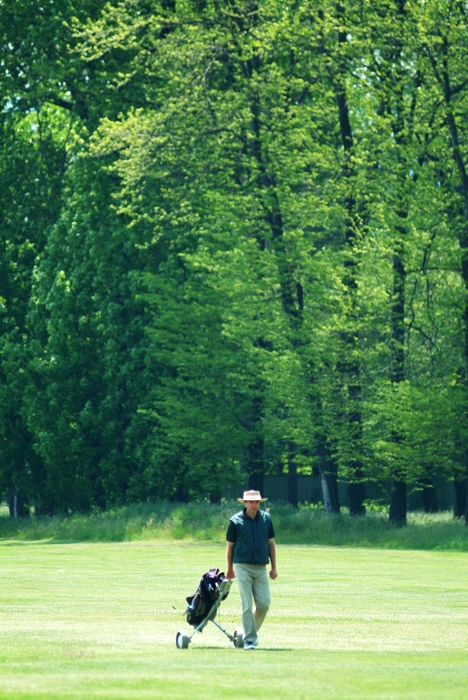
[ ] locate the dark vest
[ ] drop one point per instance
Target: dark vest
(251, 546)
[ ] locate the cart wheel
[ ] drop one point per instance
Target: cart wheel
(182, 641)
(239, 639)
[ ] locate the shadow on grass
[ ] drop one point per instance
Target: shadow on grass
(8, 542)
(258, 650)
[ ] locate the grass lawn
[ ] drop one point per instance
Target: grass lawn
(99, 620)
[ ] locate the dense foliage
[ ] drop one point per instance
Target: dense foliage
(234, 243)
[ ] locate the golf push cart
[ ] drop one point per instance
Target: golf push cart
(203, 606)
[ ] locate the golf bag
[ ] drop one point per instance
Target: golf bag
(207, 593)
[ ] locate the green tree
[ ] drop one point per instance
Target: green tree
(233, 136)
(32, 162)
(49, 95)
(443, 27)
(254, 252)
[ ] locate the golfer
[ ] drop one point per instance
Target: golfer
(250, 546)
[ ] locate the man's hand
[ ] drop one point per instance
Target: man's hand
(273, 574)
(230, 573)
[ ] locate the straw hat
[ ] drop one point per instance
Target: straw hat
(252, 496)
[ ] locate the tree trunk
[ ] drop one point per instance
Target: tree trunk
(356, 488)
(398, 486)
(398, 101)
(460, 497)
(328, 473)
(466, 503)
(330, 493)
(256, 448)
(429, 497)
(398, 502)
(256, 482)
(181, 494)
(349, 365)
(430, 501)
(293, 492)
(356, 496)
(16, 505)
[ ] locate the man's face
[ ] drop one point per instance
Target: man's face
(252, 508)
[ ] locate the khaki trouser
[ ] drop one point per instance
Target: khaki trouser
(253, 584)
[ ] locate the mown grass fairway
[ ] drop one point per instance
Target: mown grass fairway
(99, 621)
